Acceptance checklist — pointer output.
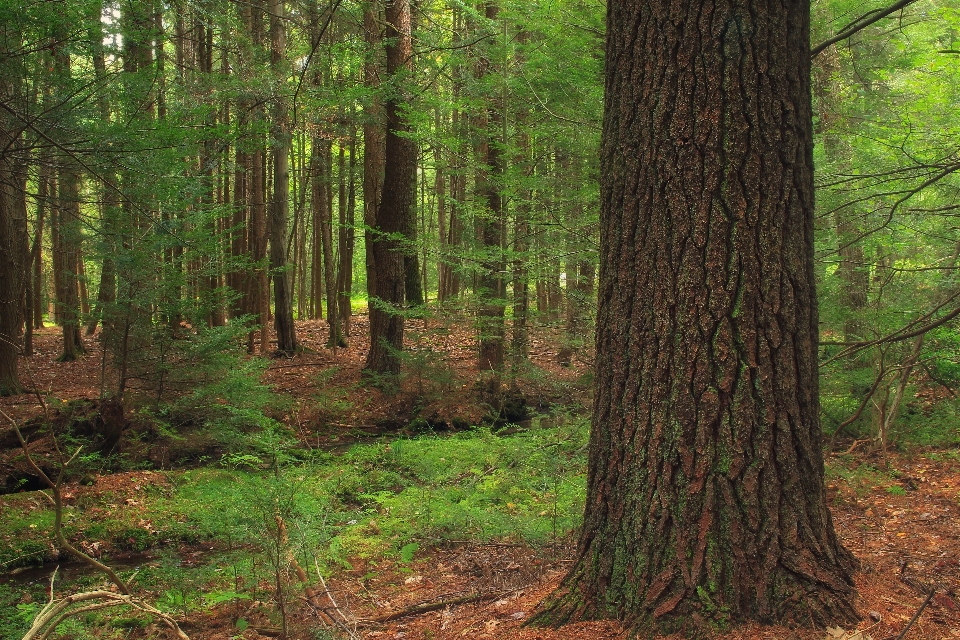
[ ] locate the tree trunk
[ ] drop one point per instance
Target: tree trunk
(280, 208)
(396, 206)
(347, 241)
(70, 238)
(374, 138)
(334, 340)
(36, 252)
(13, 215)
(491, 287)
(706, 497)
(520, 336)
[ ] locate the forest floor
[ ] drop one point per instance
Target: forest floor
(899, 514)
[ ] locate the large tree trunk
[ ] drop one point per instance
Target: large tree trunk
(279, 210)
(396, 205)
(706, 497)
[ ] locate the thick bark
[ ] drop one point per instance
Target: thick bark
(280, 208)
(705, 486)
(396, 205)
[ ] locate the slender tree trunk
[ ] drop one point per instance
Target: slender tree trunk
(326, 237)
(374, 137)
(520, 338)
(396, 206)
(36, 252)
(282, 284)
(347, 241)
(491, 286)
(70, 239)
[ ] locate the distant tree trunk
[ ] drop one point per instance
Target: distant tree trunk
(440, 189)
(13, 214)
(70, 239)
(70, 235)
(106, 292)
(374, 137)
(334, 340)
(458, 199)
(36, 252)
(282, 283)
(347, 240)
(579, 266)
(706, 496)
(258, 285)
(520, 338)
(238, 242)
(319, 175)
(491, 286)
(396, 206)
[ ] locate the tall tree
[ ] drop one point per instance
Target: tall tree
(397, 201)
(68, 264)
(705, 484)
(12, 219)
(374, 135)
(280, 207)
(491, 286)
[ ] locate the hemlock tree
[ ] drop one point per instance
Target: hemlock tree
(706, 493)
(398, 197)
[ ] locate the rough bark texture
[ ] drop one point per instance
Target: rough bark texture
(396, 205)
(706, 498)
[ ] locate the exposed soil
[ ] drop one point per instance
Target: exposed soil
(907, 545)
(907, 539)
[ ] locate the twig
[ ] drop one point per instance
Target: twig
(345, 622)
(55, 612)
(923, 606)
(434, 606)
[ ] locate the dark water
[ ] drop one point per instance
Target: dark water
(70, 570)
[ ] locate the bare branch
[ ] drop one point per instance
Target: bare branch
(860, 24)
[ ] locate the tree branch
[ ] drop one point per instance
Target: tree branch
(859, 24)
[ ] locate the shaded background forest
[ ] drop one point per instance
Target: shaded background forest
(187, 179)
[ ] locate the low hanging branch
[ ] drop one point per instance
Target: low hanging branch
(860, 24)
(918, 327)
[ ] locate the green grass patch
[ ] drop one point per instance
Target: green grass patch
(389, 500)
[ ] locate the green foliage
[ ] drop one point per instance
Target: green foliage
(386, 500)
